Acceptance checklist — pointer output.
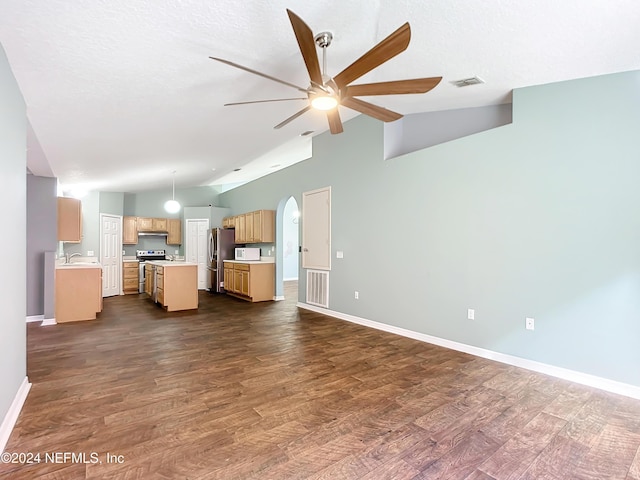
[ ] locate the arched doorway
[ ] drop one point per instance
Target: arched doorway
(287, 243)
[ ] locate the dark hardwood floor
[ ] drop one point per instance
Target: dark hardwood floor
(267, 391)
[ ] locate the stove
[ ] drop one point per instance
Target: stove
(143, 256)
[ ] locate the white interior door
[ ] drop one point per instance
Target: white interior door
(316, 229)
(196, 247)
(110, 254)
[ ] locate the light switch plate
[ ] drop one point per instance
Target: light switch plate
(339, 254)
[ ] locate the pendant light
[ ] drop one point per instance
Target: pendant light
(172, 206)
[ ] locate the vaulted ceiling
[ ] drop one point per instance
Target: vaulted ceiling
(122, 93)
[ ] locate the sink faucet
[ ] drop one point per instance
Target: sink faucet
(67, 257)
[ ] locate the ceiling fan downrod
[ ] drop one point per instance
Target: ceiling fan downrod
(323, 40)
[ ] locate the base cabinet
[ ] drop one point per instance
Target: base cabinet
(78, 294)
(175, 287)
(254, 282)
(130, 281)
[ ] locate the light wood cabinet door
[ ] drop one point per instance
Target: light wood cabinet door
(264, 226)
(248, 228)
(174, 227)
(241, 233)
(69, 220)
(228, 277)
(159, 224)
(129, 230)
(148, 280)
(144, 224)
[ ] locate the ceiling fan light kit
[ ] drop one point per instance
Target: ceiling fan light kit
(327, 93)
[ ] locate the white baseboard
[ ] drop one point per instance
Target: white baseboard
(278, 298)
(290, 279)
(35, 318)
(48, 321)
(11, 417)
(558, 372)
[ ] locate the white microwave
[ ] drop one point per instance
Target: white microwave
(247, 254)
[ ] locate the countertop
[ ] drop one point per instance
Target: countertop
(170, 263)
(76, 265)
(251, 262)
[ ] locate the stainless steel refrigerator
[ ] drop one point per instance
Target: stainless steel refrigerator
(221, 247)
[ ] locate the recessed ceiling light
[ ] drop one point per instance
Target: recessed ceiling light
(465, 82)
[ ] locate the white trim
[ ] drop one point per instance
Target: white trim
(606, 384)
(11, 417)
(278, 298)
(292, 279)
(35, 318)
(48, 321)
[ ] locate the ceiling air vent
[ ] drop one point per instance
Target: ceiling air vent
(465, 82)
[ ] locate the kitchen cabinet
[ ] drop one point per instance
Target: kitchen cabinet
(241, 234)
(253, 227)
(252, 281)
(174, 227)
(264, 226)
(144, 224)
(176, 285)
(248, 227)
(129, 230)
(158, 224)
(69, 220)
(78, 293)
(229, 222)
(148, 279)
(130, 282)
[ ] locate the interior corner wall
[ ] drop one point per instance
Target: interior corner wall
(41, 237)
(537, 218)
(13, 148)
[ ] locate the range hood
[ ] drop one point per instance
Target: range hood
(153, 234)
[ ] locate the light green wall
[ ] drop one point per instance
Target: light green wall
(13, 277)
(537, 218)
(151, 203)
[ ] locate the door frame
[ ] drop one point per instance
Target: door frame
(119, 250)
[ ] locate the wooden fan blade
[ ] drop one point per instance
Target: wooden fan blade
(398, 87)
(255, 72)
(388, 48)
(307, 45)
(370, 109)
(335, 124)
(265, 101)
(293, 117)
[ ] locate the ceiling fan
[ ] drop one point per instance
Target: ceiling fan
(327, 93)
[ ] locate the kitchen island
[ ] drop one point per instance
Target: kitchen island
(253, 281)
(174, 285)
(78, 291)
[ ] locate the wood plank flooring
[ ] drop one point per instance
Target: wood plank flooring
(267, 391)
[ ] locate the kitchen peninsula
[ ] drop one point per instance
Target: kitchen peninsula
(174, 285)
(78, 291)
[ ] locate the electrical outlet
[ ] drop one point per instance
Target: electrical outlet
(176, 251)
(471, 314)
(339, 254)
(529, 323)
(356, 295)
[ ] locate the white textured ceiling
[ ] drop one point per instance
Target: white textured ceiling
(120, 93)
